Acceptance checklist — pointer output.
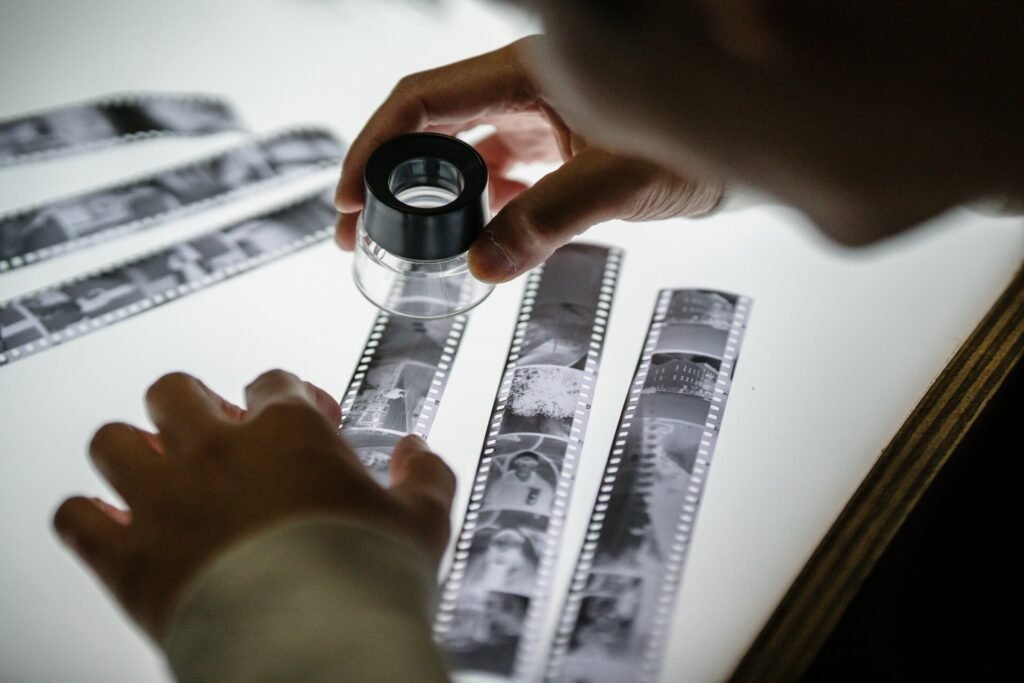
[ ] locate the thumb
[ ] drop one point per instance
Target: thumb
(592, 187)
(425, 484)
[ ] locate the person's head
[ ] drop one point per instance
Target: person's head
(507, 548)
(525, 464)
(869, 116)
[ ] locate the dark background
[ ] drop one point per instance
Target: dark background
(942, 603)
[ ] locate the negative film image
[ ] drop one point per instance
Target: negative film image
(390, 399)
(640, 517)
(524, 473)
(124, 207)
(611, 629)
(18, 327)
(545, 408)
(159, 276)
(78, 126)
(542, 400)
(81, 217)
(499, 579)
(670, 429)
(697, 322)
(562, 319)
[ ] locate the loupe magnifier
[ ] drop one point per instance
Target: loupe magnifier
(426, 201)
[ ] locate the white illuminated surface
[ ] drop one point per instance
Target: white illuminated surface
(839, 347)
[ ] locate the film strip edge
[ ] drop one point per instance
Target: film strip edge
(652, 653)
(79, 328)
(180, 211)
(380, 325)
(428, 410)
(232, 123)
(687, 519)
(440, 379)
(567, 620)
(460, 558)
(536, 413)
(531, 642)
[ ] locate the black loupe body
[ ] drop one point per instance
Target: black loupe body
(426, 201)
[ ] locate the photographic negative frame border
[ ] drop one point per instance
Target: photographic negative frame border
(604, 275)
(388, 325)
(106, 106)
(669, 576)
(312, 215)
(212, 199)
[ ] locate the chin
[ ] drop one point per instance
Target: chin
(858, 222)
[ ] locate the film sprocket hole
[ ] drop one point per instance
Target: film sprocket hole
(426, 201)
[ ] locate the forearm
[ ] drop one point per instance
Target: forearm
(310, 600)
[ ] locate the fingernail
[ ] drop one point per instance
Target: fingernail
(489, 260)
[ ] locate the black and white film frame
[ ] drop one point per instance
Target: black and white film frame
(36, 233)
(398, 383)
(59, 313)
(541, 412)
(110, 120)
(629, 579)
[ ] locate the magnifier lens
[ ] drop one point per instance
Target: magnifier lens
(426, 183)
(426, 201)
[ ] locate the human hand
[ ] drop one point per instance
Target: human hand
(592, 185)
(213, 474)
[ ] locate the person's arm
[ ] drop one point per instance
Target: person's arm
(316, 599)
(255, 546)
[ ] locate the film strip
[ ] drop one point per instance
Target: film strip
(620, 601)
(57, 314)
(504, 554)
(36, 233)
(399, 381)
(110, 120)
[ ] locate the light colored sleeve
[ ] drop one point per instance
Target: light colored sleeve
(311, 600)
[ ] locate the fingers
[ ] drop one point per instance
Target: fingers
(465, 91)
(184, 410)
(326, 404)
(421, 478)
(504, 190)
(426, 486)
(496, 154)
(122, 517)
(345, 231)
(592, 187)
(498, 158)
(91, 532)
(125, 458)
(279, 387)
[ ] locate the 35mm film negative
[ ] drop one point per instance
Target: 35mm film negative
(39, 232)
(57, 314)
(106, 121)
(617, 613)
(505, 551)
(399, 381)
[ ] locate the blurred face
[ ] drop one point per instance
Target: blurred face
(506, 548)
(869, 116)
(525, 466)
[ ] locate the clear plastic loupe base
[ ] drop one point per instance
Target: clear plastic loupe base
(416, 289)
